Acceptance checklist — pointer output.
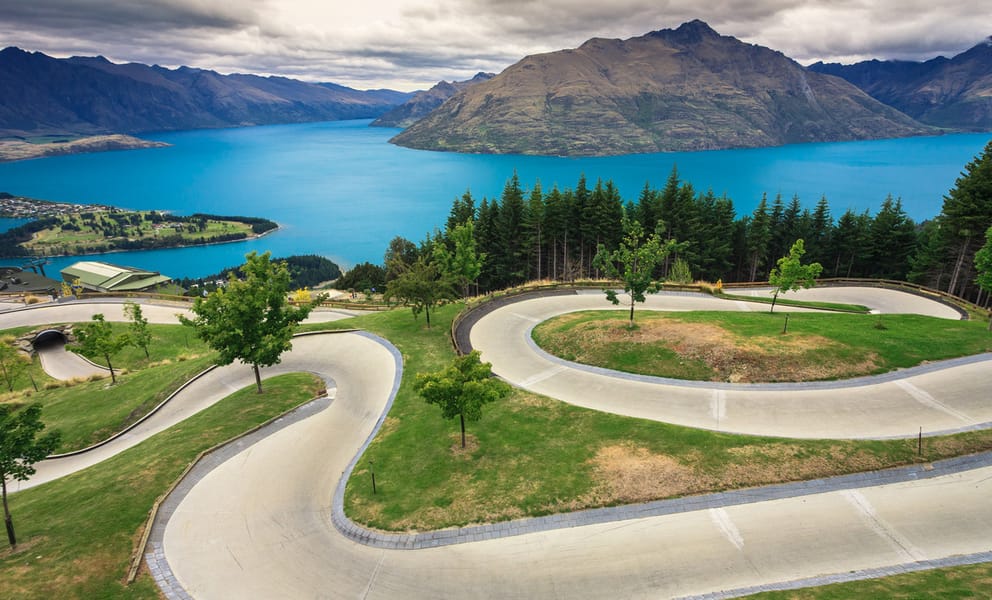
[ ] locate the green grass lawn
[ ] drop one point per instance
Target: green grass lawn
(969, 581)
(90, 412)
(76, 534)
(738, 346)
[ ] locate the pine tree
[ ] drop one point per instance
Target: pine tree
(758, 237)
(892, 241)
(966, 215)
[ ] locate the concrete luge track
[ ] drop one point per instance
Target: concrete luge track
(258, 526)
(947, 397)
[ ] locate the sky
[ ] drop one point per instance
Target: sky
(412, 44)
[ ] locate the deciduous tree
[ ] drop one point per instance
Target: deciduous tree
(20, 448)
(97, 338)
(462, 388)
(12, 362)
(138, 330)
(634, 262)
(791, 274)
(422, 286)
(250, 319)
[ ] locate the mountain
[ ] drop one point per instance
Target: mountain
(952, 93)
(671, 90)
(424, 102)
(91, 95)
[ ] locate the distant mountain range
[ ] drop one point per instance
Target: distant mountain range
(671, 90)
(423, 103)
(91, 95)
(952, 93)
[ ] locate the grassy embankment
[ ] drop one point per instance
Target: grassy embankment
(87, 412)
(750, 347)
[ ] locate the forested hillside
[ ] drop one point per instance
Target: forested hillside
(553, 234)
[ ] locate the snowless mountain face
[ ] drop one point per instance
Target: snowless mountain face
(672, 90)
(91, 95)
(954, 93)
(423, 103)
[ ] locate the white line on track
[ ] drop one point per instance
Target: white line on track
(722, 521)
(527, 318)
(926, 399)
(545, 374)
(880, 527)
(718, 405)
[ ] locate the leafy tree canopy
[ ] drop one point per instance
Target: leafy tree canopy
(250, 319)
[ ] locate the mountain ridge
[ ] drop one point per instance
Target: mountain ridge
(424, 102)
(669, 90)
(952, 93)
(93, 96)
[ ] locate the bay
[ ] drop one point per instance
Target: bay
(339, 189)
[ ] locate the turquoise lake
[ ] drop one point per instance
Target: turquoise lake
(340, 190)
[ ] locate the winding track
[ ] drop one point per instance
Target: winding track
(258, 525)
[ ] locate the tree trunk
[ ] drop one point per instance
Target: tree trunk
(7, 519)
(427, 309)
(258, 377)
(957, 265)
(145, 348)
(113, 378)
(774, 298)
(631, 308)
(462, 417)
(10, 383)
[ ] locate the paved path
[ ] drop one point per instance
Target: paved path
(195, 397)
(61, 364)
(937, 398)
(259, 525)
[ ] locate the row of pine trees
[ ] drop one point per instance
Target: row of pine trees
(553, 234)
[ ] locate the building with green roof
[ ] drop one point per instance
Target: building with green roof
(104, 277)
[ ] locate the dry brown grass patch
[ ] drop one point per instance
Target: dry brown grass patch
(731, 357)
(627, 473)
(471, 445)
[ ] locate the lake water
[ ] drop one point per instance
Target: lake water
(340, 190)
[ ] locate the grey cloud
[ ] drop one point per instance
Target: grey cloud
(452, 39)
(85, 14)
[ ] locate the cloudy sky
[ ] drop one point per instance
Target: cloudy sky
(411, 44)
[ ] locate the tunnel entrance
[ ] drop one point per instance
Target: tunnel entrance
(49, 338)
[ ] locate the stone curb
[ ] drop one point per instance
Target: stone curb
(461, 535)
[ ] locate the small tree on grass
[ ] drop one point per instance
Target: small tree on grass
(633, 263)
(791, 275)
(983, 265)
(97, 338)
(138, 331)
(462, 388)
(250, 319)
(421, 285)
(12, 362)
(20, 448)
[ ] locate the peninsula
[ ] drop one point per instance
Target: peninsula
(20, 149)
(73, 229)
